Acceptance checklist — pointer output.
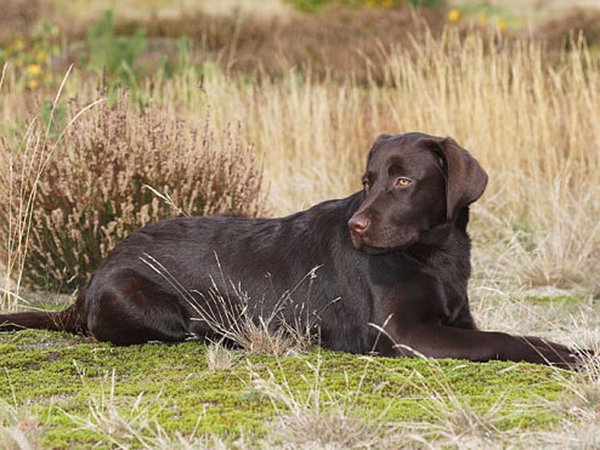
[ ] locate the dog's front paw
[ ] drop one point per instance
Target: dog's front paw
(559, 355)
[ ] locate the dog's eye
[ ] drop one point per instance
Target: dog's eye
(402, 182)
(366, 185)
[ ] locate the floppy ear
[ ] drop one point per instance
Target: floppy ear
(466, 180)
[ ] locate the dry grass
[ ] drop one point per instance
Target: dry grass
(319, 418)
(273, 45)
(18, 428)
(220, 358)
(530, 125)
(539, 233)
(271, 38)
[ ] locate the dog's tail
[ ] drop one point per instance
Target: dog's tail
(69, 320)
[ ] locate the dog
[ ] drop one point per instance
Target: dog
(393, 268)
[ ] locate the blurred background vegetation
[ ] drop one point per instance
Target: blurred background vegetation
(128, 40)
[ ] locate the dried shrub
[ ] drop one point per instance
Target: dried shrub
(561, 32)
(115, 170)
(18, 16)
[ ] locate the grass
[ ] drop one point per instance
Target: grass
(82, 393)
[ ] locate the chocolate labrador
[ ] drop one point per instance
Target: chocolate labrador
(393, 259)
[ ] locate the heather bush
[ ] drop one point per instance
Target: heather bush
(114, 170)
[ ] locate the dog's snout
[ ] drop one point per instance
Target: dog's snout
(359, 224)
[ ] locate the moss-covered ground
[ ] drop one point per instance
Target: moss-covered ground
(66, 380)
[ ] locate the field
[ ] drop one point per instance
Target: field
(111, 120)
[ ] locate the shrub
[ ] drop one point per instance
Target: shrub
(19, 16)
(102, 181)
(559, 32)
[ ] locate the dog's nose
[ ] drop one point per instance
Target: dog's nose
(359, 224)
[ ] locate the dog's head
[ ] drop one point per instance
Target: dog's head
(413, 184)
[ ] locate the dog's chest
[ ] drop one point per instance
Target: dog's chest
(451, 276)
(421, 289)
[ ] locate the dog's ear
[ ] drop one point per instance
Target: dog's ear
(466, 180)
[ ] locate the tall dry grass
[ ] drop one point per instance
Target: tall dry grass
(19, 201)
(519, 114)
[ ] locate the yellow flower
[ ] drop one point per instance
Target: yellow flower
(32, 84)
(41, 56)
(501, 24)
(453, 15)
(34, 69)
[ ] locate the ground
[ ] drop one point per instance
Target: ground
(77, 389)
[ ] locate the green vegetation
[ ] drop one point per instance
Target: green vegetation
(316, 5)
(64, 380)
(115, 55)
(555, 299)
(32, 56)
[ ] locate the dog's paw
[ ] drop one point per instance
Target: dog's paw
(558, 355)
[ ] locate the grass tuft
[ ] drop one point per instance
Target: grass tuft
(219, 357)
(19, 429)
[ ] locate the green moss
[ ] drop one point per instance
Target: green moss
(59, 376)
(555, 299)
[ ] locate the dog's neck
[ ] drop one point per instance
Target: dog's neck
(441, 237)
